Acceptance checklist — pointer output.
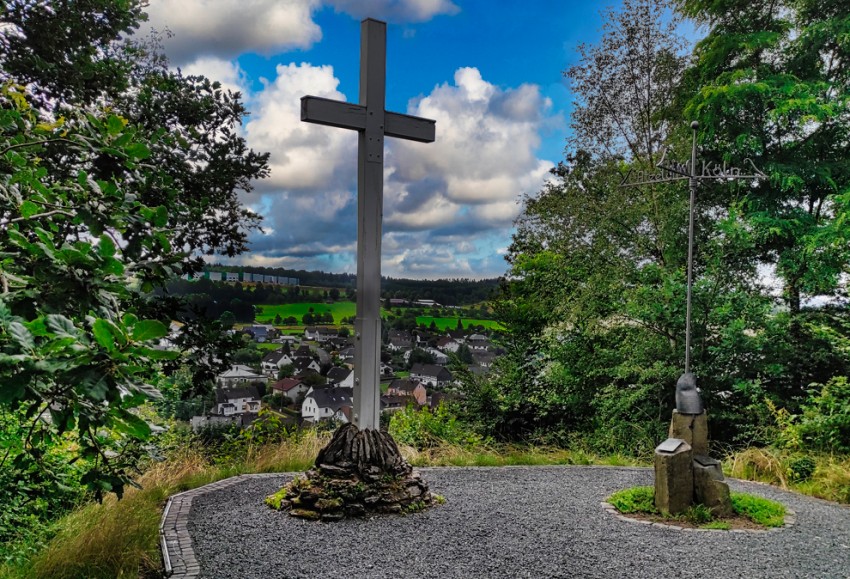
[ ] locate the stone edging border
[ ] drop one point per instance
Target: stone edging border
(178, 556)
(790, 521)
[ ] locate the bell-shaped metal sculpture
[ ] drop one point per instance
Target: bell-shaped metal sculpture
(688, 400)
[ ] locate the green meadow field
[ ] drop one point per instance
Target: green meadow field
(451, 323)
(339, 310)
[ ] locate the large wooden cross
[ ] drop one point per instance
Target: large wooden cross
(372, 122)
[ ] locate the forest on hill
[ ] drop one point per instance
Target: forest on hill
(450, 292)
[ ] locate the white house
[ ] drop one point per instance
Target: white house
(448, 344)
(236, 400)
(439, 357)
(238, 374)
(290, 387)
(274, 361)
(478, 342)
(232, 276)
(431, 375)
(343, 377)
(325, 403)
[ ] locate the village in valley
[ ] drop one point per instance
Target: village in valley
(305, 376)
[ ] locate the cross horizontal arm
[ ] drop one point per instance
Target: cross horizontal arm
(411, 128)
(333, 113)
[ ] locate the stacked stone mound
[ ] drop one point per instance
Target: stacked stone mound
(359, 472)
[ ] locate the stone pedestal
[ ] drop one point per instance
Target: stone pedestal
(674, 476)
(710, 488)
(693, 429)
(359, 472)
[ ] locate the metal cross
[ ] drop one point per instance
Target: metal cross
(680, 172)
(371, 122)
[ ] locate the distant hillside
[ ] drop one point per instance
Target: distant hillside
(449, 292)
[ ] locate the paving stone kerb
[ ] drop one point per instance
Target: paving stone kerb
(178, 556)
(497, 522)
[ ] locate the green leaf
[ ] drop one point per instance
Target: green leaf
(21, 335)
(133, 425)
(62, 326)
(161, 217)
(12, 389)
(155, 354)
(102, 331)
(138, 150)
(28, 209)
(106, 247)
(149, 330)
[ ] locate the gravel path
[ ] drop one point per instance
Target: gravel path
(508, 522)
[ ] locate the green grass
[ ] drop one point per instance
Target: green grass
(759, 510)
(268, 346)
(451, 323)
(635, 500)
(641, 500)
(339, 310)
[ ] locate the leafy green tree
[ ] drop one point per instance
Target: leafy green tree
(227, 319)
(111, 170)
(772, 81)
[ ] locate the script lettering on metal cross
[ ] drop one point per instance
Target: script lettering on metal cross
(673, 171)
(372, 123)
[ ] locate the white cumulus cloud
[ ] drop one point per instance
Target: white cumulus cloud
(396, 10)
(448, 205)
(227, 28)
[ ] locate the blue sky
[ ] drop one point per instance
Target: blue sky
(490, 73)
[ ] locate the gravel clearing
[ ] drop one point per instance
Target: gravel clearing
(508, 522)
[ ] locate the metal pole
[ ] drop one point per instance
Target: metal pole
(692, 185)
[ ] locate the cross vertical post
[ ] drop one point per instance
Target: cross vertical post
(372, 122)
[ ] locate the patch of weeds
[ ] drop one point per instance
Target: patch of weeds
(801, 468)
(415, 507)
(439, 499)
(759, 510)
(697, 515)
(716, 525)
(635, 500)
(275, 499)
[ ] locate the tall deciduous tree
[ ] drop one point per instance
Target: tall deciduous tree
(115, 174)
(773, 85)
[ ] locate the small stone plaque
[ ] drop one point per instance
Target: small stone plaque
(670, 445)
(703, 460)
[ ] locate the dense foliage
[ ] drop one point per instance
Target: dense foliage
(594, 301)
(116, 174)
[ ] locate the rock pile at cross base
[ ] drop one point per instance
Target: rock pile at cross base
(359, 472)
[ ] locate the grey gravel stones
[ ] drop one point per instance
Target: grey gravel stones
(508, 522)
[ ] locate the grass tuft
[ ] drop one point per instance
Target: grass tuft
(635, 500)
(759, 510)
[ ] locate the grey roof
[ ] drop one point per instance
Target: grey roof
(337, 374)
(302, 364)
(273, 357)
(431, 370)
(333, 398)
(403, 384)
(224, 395)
